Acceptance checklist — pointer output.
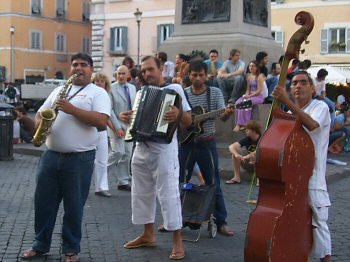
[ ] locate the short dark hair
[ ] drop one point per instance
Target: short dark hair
(197, 66)
(304, 73)
(295, 61)
(213, 51)
(154, 58)
(21, 109)
(273, 66)
(162, 56)
(141, 78)
(322, 73)
(307, 63)
(260, 56)
(133, 72)
(83, 56)
(254, 125)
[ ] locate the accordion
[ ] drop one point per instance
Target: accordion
(147, 120)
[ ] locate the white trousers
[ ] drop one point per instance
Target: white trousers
(119, 159)
(156, 175)
(322, 245)
(100, 168)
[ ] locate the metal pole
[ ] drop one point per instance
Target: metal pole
(138, 44)
(12, 30)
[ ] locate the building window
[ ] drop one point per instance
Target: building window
(86, 45)
(60, 42)
(86, 11)
(335, 40)
(35, 40)
(119, 40)
(278, 36)
(164, 31)
(60, 8)
(36, 7)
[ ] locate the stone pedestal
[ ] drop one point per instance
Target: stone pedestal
(243, 25)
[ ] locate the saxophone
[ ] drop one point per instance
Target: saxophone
(49, 115)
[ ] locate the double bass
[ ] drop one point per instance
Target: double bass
(280, 227)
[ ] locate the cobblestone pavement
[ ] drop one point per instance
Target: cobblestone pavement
(107, 222)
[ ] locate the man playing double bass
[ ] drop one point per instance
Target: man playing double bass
(314, 115)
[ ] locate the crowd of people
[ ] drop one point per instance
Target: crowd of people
(99, 111)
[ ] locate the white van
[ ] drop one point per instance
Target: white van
(56, 82)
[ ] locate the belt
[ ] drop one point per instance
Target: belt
(71, 153)
(100, 129)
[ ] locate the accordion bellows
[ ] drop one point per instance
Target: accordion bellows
(147, 123)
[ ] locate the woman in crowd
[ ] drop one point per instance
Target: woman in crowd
(100, 169)
(255, 92)
(181, 68)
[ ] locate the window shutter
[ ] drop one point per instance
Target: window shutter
(32, 40)
(279, 37)
(159, 28)
(324, 41)
(112, 45)
(347, 37)
(171, 26)
(125, 39)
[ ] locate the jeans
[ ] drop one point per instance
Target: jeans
(338, 134)
(60, 177)
(232, 88)
(206, 155)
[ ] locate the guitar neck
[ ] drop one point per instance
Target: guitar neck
(205, 116)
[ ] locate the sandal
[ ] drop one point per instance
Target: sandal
(31, 253)
(232, 182)
(72, 257)
(177, 255)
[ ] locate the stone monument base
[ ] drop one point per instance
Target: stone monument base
(249, 45)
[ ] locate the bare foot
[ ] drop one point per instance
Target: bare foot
(178, 252)
(236, 129)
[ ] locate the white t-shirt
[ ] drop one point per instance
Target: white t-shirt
(320, 86)
(319, 112)
(158, 147)
(68, 134)
(168, 69)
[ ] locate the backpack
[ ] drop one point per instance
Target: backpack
(11, 93)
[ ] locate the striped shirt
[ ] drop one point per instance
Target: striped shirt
(216, 102)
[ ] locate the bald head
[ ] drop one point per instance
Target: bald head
(121, 74)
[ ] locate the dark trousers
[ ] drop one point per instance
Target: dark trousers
(60, 177)
(206, 155)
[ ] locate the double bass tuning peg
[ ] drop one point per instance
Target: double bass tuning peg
(302, 51)
(307, 42)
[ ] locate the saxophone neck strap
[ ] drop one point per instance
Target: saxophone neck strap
(69, 98)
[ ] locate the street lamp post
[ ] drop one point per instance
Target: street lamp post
(138, 16)
(12, 31)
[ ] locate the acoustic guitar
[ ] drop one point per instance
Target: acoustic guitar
(199, 116)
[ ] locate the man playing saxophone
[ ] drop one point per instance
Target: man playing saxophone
(65, 168)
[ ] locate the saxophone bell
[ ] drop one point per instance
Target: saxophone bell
(49, 115)
(43, 130)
